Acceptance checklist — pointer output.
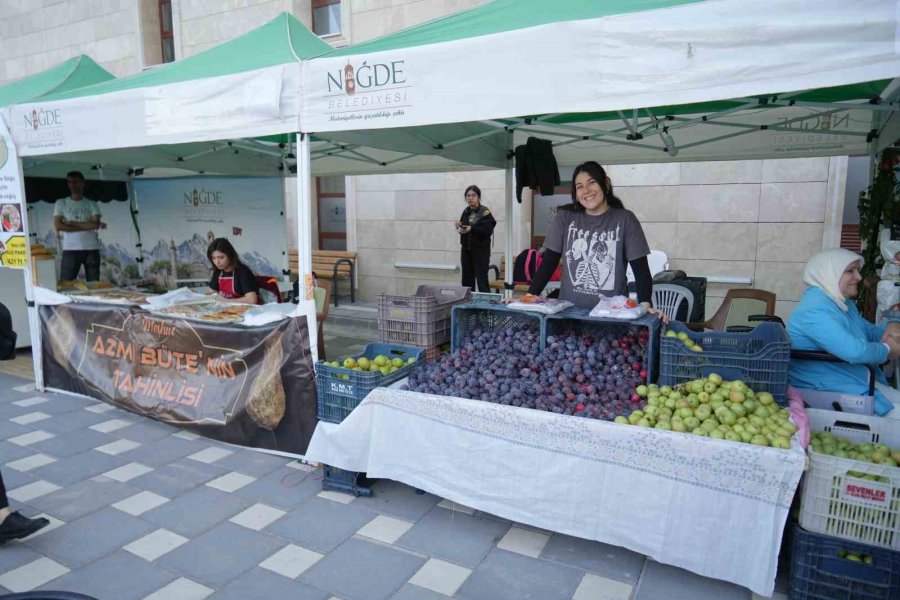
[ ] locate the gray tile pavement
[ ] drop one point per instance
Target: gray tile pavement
(141, 512)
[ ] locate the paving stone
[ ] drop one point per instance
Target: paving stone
(30, 418)
(100, 408)
(398, 500)
(414, 592)
(454, 536)
(127, 472)
(594, 587)
(197, 511)
(160, 452)
(146, 430)
(665, 582)
(210, 455)
(13, 451)
(155, 544)
(72, 469)
(27, 437)
(31, 401)
(75, 501)
(181, 589)
(260, 583)
(603, 559)
(440, 576)
(73, 420)
(291, 561)
(250, 462)
(283, 488)
(118, 447)
(385, 529)
(71, 443)
(86, 539)
(378, 570)
(111, 425)
(32, 575)
(231, 482)
(15, 554)
(30, 463)
(13, 479)
(236, 550)
(339, 497)
(524, 541)
(176, 478)
(509, 576)
(33, 490)
(321, 524)
(119, 576)
(140, 503)
(59, 404)
(257, 517)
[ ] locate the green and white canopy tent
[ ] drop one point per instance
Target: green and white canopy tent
(617, 81)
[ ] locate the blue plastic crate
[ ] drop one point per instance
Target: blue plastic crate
(820, 569)
(339, 480)
(340, 390)
(489, 317)
(759, 358)
(579, 321)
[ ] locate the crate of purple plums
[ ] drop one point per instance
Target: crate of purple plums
(759, 357)
(598, 362)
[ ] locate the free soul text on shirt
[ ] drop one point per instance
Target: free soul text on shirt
(368, 100)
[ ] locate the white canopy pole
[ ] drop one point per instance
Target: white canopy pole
(34, 320)
(508, 275)
(304, 218)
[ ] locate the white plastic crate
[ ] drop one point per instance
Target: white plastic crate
(837, 504)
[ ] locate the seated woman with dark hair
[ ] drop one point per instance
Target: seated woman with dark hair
(231, 278)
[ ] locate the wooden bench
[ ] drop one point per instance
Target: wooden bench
(329, 264)
(499, 272)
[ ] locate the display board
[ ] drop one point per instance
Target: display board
(13, 251)
(179, 218)
(252, 386)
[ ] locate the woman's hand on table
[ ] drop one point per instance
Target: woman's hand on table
(655, 311)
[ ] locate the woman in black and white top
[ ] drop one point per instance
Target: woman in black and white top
(231, 278)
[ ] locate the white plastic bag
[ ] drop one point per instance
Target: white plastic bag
(618, 307)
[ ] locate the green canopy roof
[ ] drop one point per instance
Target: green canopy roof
(503, 15)
(282, 40)
(76, 72)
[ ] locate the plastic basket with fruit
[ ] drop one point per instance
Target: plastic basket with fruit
(632, 344)
(343, 384)
(827, 567)
(712, 407)
(852, 488)
(759, 358)
(487, 318)
(498, 357)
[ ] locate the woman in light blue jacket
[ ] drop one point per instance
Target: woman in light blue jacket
(826, 319)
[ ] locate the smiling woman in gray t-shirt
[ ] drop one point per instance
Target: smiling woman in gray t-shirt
(596, 239)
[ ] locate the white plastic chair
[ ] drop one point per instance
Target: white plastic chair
(658, 262)
(668, 297)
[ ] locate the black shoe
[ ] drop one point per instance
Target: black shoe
(15, 527)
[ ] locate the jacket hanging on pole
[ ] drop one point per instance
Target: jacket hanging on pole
(536, 167)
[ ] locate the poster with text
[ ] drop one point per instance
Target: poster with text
(13, 250)
(253, 386)
(179, 217)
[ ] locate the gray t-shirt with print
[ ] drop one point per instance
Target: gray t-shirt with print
(595, 252)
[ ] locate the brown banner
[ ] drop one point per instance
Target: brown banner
(249, 386)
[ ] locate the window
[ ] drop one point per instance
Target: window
(332, 213)
(166, 32)
(326, 17)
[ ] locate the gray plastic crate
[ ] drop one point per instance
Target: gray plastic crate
(421, 320)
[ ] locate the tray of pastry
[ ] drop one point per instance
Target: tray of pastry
(218, 312)
(111, 296)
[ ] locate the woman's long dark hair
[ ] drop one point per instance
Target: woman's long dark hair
(598, 174)
(224, 246)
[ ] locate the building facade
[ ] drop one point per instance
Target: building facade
(738, 223)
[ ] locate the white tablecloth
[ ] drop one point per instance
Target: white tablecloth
(714, 507)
